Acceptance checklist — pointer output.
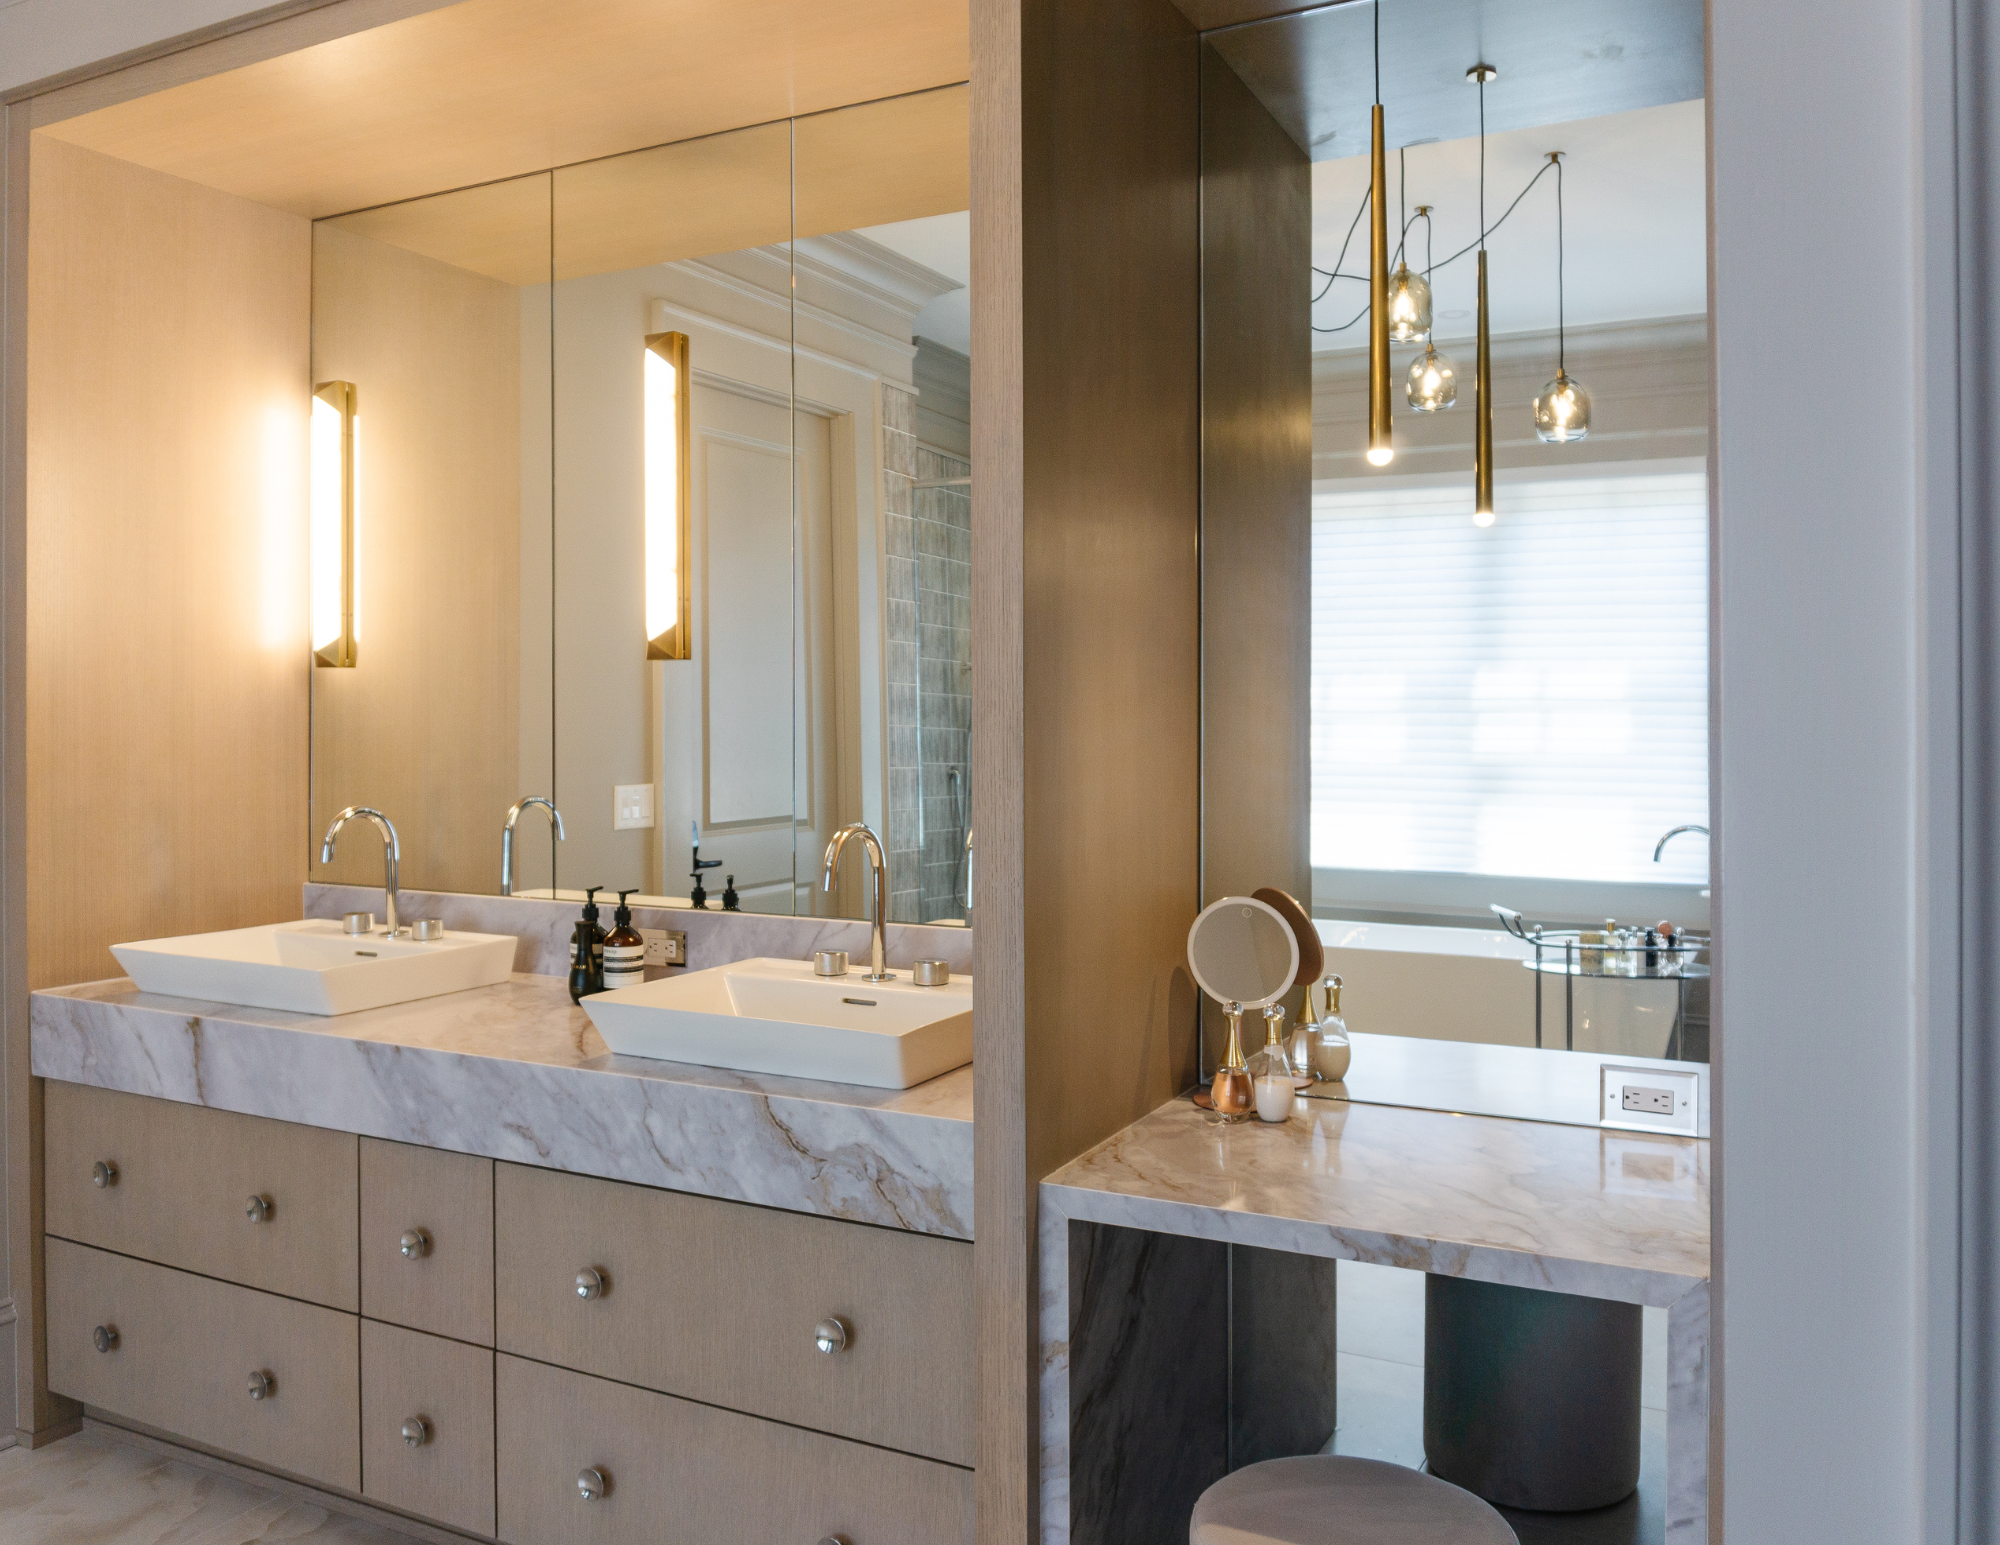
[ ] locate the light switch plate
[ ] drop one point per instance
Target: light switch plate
(665, 946)
(632, 806)
(1650, 1099)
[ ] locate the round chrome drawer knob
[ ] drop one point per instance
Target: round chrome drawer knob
(105, 1338)
(262, 1385)
(592, 1484)
(830, 1335)
(415, 1244)
(416, 1431)
(590, 1283)
(258, 1209)
(834, 1539)
(104, 1174)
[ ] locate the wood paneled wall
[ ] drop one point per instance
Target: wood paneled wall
(166, 689)
(1086, 428)
(155, 648)
(426, 728)
(1256, 480)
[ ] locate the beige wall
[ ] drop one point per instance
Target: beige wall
(426, 727)
(166, 685)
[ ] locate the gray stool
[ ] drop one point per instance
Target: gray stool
(1325, 1500)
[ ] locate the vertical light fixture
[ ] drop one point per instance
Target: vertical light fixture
(1562, 412)
(330, 524)
(1482, 375)
(669, 546)
(1381, 443)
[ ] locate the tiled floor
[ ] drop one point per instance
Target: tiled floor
(93, 1490)
(1381, 1372)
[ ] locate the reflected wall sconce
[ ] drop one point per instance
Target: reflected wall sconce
(330, 523)
(669, 485)
(1562, 412)
(1482, 375)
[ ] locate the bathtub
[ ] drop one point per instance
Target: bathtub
(1471, 984)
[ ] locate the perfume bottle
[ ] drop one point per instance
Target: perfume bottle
(1271, 1070)
(1333, 1053)
(1231, 1092)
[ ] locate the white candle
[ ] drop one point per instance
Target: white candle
(1274, 1098)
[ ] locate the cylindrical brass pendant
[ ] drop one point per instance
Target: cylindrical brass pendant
(1381, 445)
(1482, 411)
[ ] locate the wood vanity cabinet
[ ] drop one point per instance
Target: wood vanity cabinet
(263, 1203)
(269, 1378)
(724, 1303)
(468, 1343)
(722, 1478)
(427, 1239)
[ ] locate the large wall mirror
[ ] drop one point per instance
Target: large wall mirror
(661, 513)
(1507, 693)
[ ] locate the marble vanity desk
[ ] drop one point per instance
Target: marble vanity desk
(1602, 1214)
(517, 1072)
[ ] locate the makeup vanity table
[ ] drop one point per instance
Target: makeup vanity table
(1142, 1272)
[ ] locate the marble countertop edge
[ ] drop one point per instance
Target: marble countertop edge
(1444, 1257)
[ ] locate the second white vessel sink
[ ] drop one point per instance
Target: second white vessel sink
(314, 967)
(775, 1016)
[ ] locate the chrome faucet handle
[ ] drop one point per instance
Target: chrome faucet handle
(507, 835)
(878, 873)
(392, 854)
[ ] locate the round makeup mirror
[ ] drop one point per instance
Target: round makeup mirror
(1242, 951)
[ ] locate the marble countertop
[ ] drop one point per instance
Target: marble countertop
(1609, 1214)
(517, 1072)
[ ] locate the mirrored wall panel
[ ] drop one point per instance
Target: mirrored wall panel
(659, 520)
(1500, 522)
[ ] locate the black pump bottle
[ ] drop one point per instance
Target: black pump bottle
(586, 951)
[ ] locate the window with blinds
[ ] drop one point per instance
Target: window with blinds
(1526, 699)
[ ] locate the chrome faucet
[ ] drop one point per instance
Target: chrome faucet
(507, 836)
(392, 851)
(1661, 846)
(878, 896)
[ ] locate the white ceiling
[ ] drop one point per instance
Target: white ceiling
(1635, 203)
(943, 243)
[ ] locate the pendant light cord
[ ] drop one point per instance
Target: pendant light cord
(1482, 164)
(1378, 53)
(1556, 159)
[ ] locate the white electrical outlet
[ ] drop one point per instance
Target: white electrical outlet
(1651, 1099)
(632, 806)
(665, 946)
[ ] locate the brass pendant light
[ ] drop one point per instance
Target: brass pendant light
(1381, 442)
(1562, 412)
(1482, 379)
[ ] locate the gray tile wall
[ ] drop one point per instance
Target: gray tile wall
(944, 664)
(904, 838)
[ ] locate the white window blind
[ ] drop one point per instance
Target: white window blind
(1526, 699)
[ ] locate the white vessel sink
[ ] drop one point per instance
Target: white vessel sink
(314, 967)
(775, 1016)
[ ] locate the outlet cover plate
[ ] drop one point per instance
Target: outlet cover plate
(665, 946)
(1632, 1098)
(632, 806)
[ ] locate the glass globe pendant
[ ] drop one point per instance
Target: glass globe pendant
(1409, 305)
(1562, 412)
(1433, 383)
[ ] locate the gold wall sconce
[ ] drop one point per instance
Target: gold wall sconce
(669, 484)
(331, 523)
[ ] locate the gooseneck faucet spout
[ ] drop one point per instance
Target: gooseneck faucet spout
(507, 836)
(878, 898)
(392, 852)
(1661, 846)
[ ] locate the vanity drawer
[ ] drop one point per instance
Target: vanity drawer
(718, 1301)
(186, 1350)
(447, 1386)
(178, 1185)
(441, 1206)
(675, 1470)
